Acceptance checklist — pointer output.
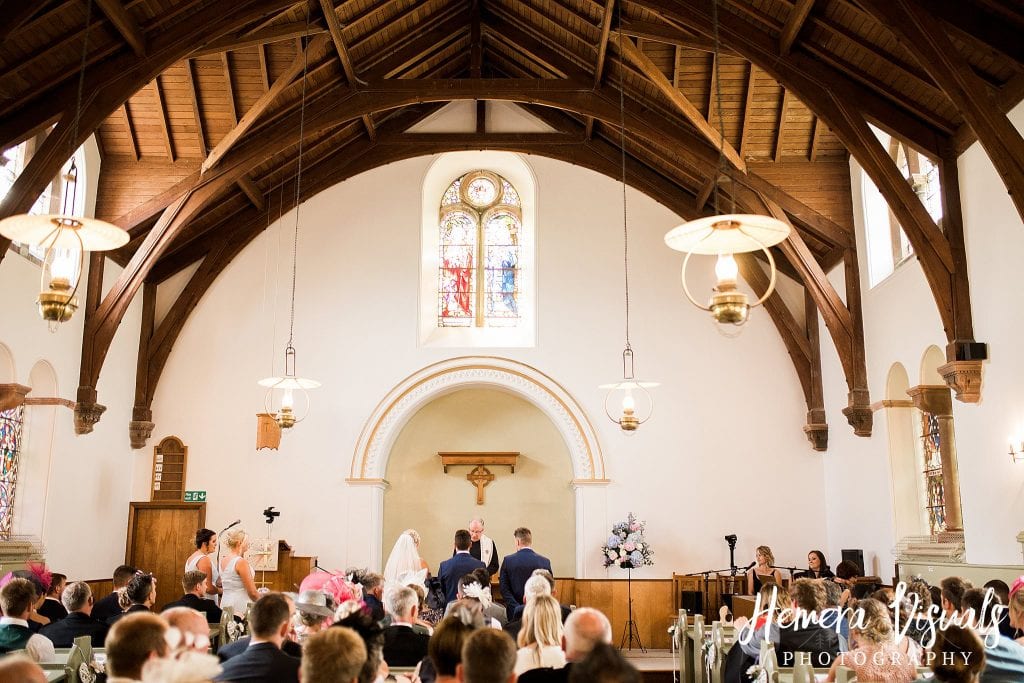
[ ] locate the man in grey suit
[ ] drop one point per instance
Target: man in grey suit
(517, 569)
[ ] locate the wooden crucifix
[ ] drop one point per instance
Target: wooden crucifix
(479, 476)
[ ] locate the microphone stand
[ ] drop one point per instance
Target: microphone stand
(706, 606)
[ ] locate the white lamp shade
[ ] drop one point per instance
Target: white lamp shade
(288, 383)
(709, 235)
(629, 384)
(38, 230)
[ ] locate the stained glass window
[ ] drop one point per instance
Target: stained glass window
(480, 222)
(935, 500)
(10, 447)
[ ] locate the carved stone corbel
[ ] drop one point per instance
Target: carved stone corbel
(858, 412)
(141, 426)
(964, 378)
(12, 395)
(87, 410)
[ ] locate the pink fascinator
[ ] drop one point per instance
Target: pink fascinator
(1017, 585)
(42, 573)
(331, 583)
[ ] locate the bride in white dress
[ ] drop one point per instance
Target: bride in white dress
(404, 558)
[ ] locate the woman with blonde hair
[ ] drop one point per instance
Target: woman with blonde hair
(540, 638)
(236, 575)
(875, 653)
(757, 577)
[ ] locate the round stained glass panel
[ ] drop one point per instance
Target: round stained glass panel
(481, 192)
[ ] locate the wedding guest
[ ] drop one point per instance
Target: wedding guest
(764, 559)
(1017, 608)
(368, 628)
(444, 651)
(109, 606)
(1004, 658)
(518, 568)
(16, 600)
(540, 638)
(1002, 592)
(953, 589)
(403, 646)
(488, 656)
(604, 664)
(52, 608)
(957, 656)
(335, 655)
(585, 629)
(875, 655)
(196, 586)
(192, 627)
(138, 596)
(77, 599)
(203, 560)
(807, 635)
(263, 661)
(20, 669)
(133, 641)
(315, 611)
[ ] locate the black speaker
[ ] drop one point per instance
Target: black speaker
(972, 351)
(855, 556)
(692, 601)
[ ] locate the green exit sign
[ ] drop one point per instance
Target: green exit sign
(195, 496)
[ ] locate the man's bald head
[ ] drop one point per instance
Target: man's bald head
(20, 669)
(585, 628)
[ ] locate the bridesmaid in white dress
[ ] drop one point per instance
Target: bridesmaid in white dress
(236, 575)
(201, 560)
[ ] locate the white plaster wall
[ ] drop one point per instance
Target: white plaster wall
(723, 449)
(83, 522)
(900, 322)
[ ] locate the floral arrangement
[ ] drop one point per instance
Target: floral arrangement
(627, 546)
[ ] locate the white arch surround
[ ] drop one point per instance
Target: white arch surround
(385, 423)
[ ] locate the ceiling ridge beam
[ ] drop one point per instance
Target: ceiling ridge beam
(794, 22)
(685, 107)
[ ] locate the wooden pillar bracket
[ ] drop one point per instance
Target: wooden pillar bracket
(12, 395)
(141, 426)
(858, 412)
(816, 429)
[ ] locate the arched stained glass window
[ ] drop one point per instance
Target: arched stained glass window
(480, 223)
(11, 422)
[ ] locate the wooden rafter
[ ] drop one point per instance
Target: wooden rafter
(748, 108)
(162, 112)
(197, 113)
(705, 192)
(999, 137)
(780, 130)
(229, 88)
(816, 127)
(794, 23)
(313, 52)
(262, 37)
(334, 27)
(684, 106)
(125, 24)
(602, 43)
(129, 128)
(254, 193)
(261, 54)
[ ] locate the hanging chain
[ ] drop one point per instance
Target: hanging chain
(720, 170)
(622, 147)
(72, 174)
(298, 185)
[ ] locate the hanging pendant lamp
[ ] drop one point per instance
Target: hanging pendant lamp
(64, 236)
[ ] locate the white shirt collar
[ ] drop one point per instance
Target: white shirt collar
(11, 620)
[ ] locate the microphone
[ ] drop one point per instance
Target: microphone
(234, 523)
(749, 566)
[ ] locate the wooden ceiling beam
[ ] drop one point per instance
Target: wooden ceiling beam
(133, 143)
(670, 35)
(334, 26)
(794, 22)
(685, 107)
(809, 79)
(780, 130)
(939, 56)
(15, 17)
(537, 50)
(602, 43)
(315, 51)
(816, 126)
(165, 127)
(197, 114)
(105, 89)
(980, 23)
(254, 193)
(125, 24)
(229, 89)
(748, 108)
(262, 37)
(1008, 97)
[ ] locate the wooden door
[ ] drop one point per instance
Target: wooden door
(160, 538)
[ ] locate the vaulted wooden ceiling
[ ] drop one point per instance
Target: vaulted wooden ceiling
(195, 104)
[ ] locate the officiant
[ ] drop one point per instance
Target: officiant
(483, 547)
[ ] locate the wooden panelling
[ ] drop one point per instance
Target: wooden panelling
(652, 605)
(291, 570)
(125, 184)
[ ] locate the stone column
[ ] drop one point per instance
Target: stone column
(937, 401)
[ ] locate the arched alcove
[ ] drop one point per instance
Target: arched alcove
(380, 432)
(931, 359)
(904, 462)
(7, 374)
(537, 495)
(36, 458)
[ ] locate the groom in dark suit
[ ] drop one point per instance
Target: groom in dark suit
(460, 564)
(517, 569)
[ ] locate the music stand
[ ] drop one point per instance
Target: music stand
(630, 630)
